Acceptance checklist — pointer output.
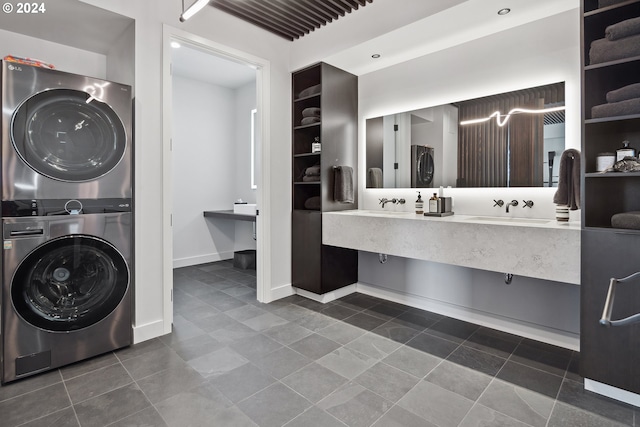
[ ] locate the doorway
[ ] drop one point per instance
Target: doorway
(219, 159)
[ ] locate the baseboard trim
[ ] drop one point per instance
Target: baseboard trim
(525, 329)
(279, 293)
(612, 392)
(201, 259)
(148, 331)
(329, 296)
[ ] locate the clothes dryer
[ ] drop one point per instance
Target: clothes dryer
(66, 283)
(64, 136)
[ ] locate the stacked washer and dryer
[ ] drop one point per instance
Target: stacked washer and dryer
(67, 219)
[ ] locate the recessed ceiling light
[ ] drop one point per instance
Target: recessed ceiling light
(175, 45)
(504, 11)
(375, 56)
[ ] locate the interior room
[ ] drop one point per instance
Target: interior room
(319, 221)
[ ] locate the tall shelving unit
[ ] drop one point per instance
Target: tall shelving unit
(608, 355)
(319, 268)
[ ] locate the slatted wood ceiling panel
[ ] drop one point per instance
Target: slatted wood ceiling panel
(290, 19)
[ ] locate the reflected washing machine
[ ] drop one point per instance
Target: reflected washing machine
(422, 166)
(66, 282)
(64, 136)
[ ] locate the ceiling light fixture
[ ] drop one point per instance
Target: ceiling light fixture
(375, 56)
(503, 122)
(193, 9)
(175, 44)
(504, 11)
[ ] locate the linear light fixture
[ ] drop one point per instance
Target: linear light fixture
(196, 7)
(503, 122)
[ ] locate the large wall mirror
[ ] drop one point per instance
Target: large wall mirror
(512, 139)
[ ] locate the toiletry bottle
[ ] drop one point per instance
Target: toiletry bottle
(433, 203)
(315, 145)
(625, 151)
(419, 205)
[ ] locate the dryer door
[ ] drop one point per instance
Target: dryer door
(69, 283)
(68, 135)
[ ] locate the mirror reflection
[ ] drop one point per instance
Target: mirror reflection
(512, 139)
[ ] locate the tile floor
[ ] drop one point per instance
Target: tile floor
(358, 361)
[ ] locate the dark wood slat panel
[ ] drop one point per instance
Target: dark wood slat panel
(312, 7)
(275, 15)
(331, 6)
(255, 21)
(311, 22)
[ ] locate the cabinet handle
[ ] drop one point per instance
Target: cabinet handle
(608, 305)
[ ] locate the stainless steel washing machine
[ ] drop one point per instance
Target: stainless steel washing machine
(66, 282)
(64, 136)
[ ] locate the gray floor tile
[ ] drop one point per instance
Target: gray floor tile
(291, 312)
(229, 417)
(530, 378)
(432, 345)
(238, 291)
(314, 417)
(30, 406)
(364, 321)
(214, 322)
(387, 381)
(265, 321)
(314, 346)
(222, 301)
(399, 417)
(255, 347)
(477, 360)
(459, 379)
(139, 349)
(288, 333)
(436, 405)
(396, 332)
(569, 416)
(196, 347)
(314, 382)
(385, 310)
(64, 418)
(359, 301)
(341, 332)
(574, 394)
(282, 362)
(355, 405)
(242, 382)
(524, 405)
(30, 384)
(274, 406)
(418, 320)
(412, 361)
(347, 362)
(112, 406)
(481, 416)
(245, 312)
(542, 356)
(233, 332)
(167, 383)
(338, 312)
(152, 362)
(193, 407)
(374, 345)
(88, 365)
(192, 287)
(198, 312)
(146, 418)
(573, 370)
(315, 321)
(452, 329)
(218, 362)
(97, 382)
(494, 342)
(181, 330)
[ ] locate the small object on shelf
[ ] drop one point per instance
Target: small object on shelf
(438, 214)
(419, 205)
(562, 213)
(626, 220)
(625, 151)
(628, 164)
(433, 203)
(315, 145)
(605, 161)
(445, 204)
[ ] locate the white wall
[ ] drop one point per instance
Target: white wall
(538, 53)
(204, 147)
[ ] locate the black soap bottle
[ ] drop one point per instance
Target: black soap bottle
(419, 205)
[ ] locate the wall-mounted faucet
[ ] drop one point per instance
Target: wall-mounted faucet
(512, 203)
(499, 203)
(384, 201)
(527, 204)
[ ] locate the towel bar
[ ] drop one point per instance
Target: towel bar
(608, 305)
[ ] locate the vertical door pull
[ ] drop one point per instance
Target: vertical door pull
(608, 305)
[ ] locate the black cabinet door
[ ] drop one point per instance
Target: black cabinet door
(610, 355)
(306, 247)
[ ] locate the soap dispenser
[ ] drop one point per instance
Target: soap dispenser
(419, 205)
(433, 204)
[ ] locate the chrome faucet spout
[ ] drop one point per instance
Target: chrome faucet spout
(512, 203)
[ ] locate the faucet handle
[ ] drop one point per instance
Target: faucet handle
(498, 203)
(382, 201)
(401, 201)
(527, 204)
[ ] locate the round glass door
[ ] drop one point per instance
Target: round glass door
(69, 283)
(68, 135)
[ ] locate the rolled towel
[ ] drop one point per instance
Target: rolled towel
(311, 112)
(605, 3)
(624, 93)
(374, 178)
(312, 203)
(309, 120)
(622, 108)
(311, 178)
(343, 184)
(628, 220)
(603, 50)
(312, 171)
(626, 28)
(311, 90)
(568, 192)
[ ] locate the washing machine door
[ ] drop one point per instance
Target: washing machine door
(68, 135)
(69, 283)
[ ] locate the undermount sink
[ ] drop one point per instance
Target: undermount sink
(371, 211)
(509, 219)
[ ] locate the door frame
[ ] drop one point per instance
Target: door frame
(263, 97)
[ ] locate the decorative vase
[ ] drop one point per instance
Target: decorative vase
(562, 213)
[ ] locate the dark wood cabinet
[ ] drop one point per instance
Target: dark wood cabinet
(608, 355)
(325, 111)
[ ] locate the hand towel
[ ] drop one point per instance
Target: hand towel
(622, 108)
(312, 171)
(312, 203)
(312, 90)
(374, 178)
(603, 50)
(568, 192)
(626, 28)
(309, 120)
(311, 112)
(343, 184)
(624, 93)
